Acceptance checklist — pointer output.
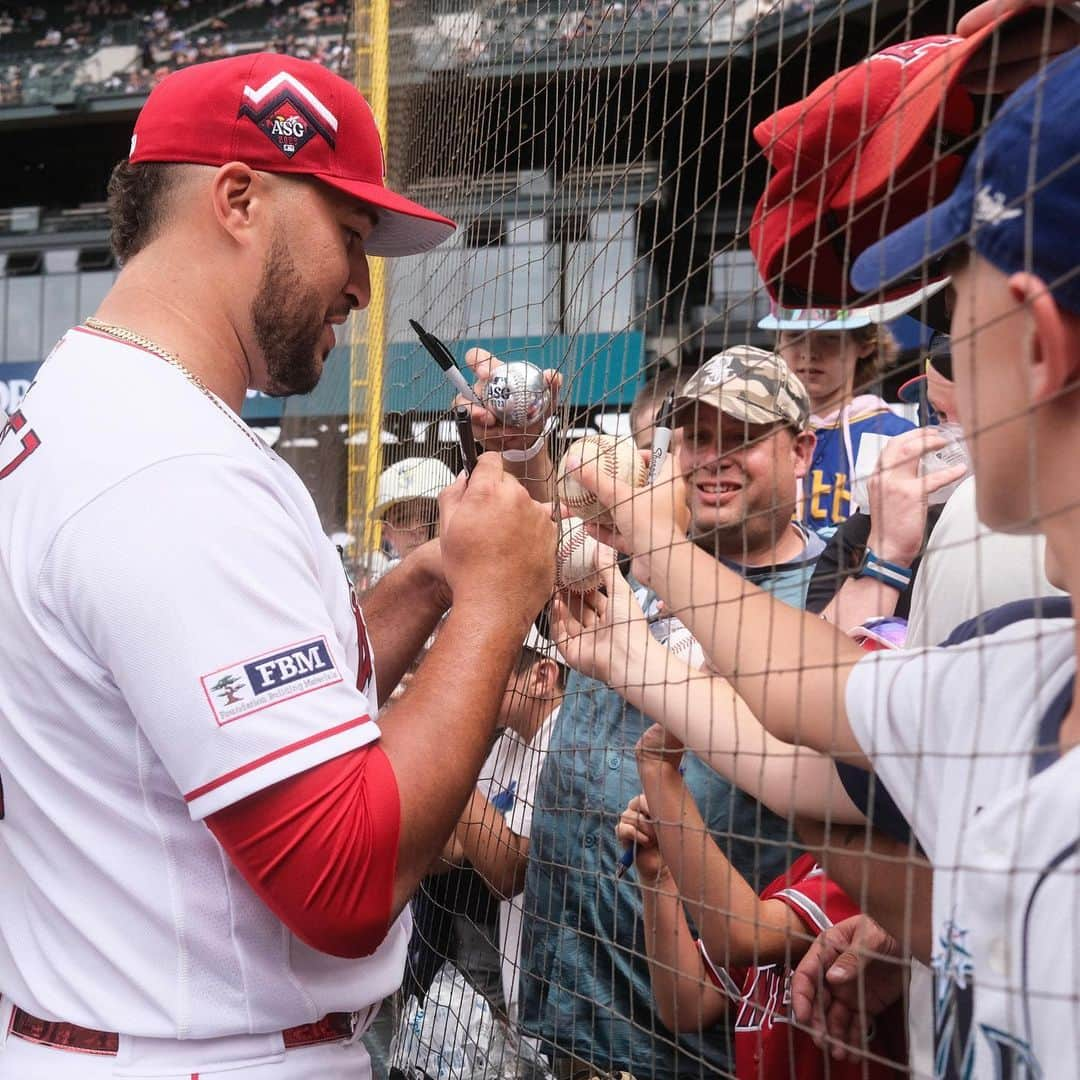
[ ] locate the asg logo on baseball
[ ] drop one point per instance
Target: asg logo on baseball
(261, 681)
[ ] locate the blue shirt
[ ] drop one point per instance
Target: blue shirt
(827, 486)
(585, 987)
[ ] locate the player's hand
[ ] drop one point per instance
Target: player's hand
(648, 520)
(1022, 48)
(428, 557)
(498, 545)
(852, 972)
(605, 637)
(635, 830)
(658, 748)
(489, 431)
(898, 495)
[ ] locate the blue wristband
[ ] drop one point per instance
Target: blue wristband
(896, 577)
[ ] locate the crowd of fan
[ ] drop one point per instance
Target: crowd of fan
(176, 34)
(171, 36)
(771, 878)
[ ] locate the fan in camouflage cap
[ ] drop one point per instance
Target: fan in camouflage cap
(746, 447)
(748, 384)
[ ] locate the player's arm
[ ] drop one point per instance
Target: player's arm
(791, 668)
(605, 636)
(337, 851)
(738, 928)
(498, 853)
(331, 818)
(402, 611)
(438, 734)
(685, 1000)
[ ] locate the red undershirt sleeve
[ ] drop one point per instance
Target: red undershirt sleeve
(320, 850)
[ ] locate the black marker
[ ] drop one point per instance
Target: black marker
(661, 441)
(445, 359)
(463, 419)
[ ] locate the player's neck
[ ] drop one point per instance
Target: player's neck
(177, 318)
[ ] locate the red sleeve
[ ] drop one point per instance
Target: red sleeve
(816, 899)
(320, 849)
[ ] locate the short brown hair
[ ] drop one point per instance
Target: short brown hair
(661, 379)
(137, 198)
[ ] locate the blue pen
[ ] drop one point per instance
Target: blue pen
(626, 859)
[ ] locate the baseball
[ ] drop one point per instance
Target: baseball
(576, 558)
(517, 394)
(618, 458)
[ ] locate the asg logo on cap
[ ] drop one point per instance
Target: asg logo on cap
(288, 113)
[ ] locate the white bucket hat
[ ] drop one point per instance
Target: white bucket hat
(855, 318)
(413, 478)
(543, 646)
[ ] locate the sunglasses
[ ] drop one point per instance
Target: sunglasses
(939, 355)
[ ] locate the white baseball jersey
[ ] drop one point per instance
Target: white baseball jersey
(178, 634)
(955, 734)
(508, 781)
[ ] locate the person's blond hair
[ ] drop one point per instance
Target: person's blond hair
(871, 367)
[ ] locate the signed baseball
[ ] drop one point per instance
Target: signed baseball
(576, 558)
(618, 458)
(517, 394)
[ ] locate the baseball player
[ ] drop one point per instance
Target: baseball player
(208, 839)
(976, 742)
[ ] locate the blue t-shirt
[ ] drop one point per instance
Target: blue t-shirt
(827, 485)
(585, 987)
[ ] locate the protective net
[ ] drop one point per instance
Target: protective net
(647, 192)
(713, 836)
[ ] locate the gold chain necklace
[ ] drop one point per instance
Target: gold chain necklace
(122, 333)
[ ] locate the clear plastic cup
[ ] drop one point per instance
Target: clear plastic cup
(954, 452)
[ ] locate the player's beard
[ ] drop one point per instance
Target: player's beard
(288, 320)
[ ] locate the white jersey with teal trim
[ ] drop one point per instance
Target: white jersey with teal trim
(955, 734)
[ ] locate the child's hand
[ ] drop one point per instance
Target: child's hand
(635, 830)
(657, 746)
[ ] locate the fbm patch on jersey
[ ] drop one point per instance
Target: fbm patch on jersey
(261, 681)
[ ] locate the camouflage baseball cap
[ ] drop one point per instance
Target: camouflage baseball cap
(749, 384)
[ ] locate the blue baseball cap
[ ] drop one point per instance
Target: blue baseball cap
(1017, 202)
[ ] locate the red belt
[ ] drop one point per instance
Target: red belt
(331, 1028)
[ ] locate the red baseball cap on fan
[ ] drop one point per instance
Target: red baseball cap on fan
(282, 115)
(870, 149)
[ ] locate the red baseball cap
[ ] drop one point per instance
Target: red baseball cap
(867, 151)
(283, 115)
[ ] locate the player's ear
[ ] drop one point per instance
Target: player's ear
(1053, 363)
(237, 194)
